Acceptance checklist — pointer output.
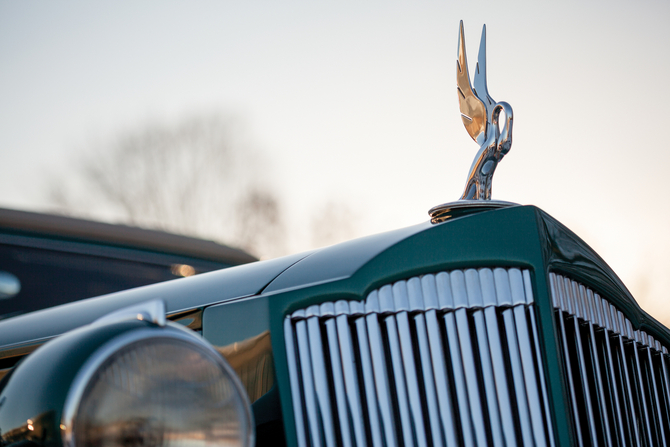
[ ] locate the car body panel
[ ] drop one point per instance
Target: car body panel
(340, 261)
(507, 237)
(510, 237)
(245, 307)
(330, 263)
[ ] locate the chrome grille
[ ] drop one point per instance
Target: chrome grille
(444, 359)
(618, 377)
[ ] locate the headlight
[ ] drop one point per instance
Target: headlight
(144, 386)
(154, 391)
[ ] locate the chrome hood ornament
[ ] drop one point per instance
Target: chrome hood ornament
(481, 116)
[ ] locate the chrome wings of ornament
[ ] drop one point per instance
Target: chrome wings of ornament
(480, 115)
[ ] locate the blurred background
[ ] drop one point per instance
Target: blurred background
(282, 126)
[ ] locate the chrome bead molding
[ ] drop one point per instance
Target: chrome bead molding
(152, 311)
(618, 378)
(444, 359)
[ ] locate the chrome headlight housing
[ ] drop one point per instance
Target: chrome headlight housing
(136, 384)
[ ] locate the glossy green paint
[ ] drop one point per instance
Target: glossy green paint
(502, 238)
(236, 321)
(522, 236)
(566, 253)
(180, 295)
(38, 388)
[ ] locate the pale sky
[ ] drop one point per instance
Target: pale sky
(356, 102)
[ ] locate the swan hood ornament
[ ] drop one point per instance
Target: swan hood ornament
(481, 116)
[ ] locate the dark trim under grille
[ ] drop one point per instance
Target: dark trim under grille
(439, 360)
(617, 377)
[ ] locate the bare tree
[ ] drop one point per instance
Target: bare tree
(259, 224)
(197, 177)
(334, 222)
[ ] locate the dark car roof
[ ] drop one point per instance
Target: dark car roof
(55, 226)
(319, 266)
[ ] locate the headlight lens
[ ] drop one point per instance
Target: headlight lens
(159, 391)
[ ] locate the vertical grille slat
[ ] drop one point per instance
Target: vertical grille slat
(446, 302)
(603, 320)
(589, 315)
(338, 382)
(627, 393)
(444, 359)
(658, 423)
(459, 379)
(416, 304)
(642, 393)
(319, 370)
(515, 362)
(498, 357)
(620, 379)
(665, 385)
(444, 398)
(543, 384)
(399, 380)
(557, 289)
(315, 432)
(581, 362)
(528, 361)
(476, 302)
(530, 315)
(502, 386)
(296, 395)
(401, 301)
(353, 397)
(517, 375)
(380, 371)
(428, 380)
(467, 356)
(487, 376)
(373, 414)
(630, 404)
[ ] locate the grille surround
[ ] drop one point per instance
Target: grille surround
(443, 359)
